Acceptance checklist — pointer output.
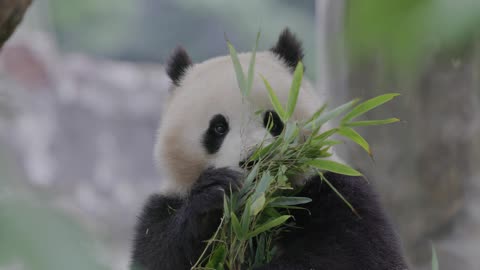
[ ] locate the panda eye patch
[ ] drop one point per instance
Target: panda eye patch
(215, 134)
(273, 123)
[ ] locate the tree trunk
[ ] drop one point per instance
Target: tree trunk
(11, 14)
(423, 165)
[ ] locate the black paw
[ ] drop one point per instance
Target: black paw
(224, 179)
(212, 185)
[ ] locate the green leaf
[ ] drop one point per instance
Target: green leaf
(294, 90)
(274, 100)
(269, 225)
(226, 209)
(435, 265)
(257, 205)
(325, 117)
(372, 122)
(238, 69)
(237, 229)
(291, 132)
(317, 113)
(356, 138)
(251, 67)
(325, 135)
(245, 220)
(332, 166)
(249, 180)
(368, 105)
(264, 151)
(263, 184)
(287, 201)
(260, 255)
(217, 258)
(272, 212)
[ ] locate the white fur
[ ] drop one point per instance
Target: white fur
(210, 88)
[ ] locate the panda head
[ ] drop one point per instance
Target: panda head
(208, 123)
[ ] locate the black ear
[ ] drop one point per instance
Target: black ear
(288, 48)
(178, 64)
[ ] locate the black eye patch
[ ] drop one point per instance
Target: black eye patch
(272, 120)
(215, 134)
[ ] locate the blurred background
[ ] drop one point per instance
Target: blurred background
(82, 86)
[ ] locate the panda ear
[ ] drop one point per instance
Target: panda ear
(178, 64)
(288, 48)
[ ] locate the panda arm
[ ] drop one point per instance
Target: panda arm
(157, 234)
(335, 238)
(171, 231)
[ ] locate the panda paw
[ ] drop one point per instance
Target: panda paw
(212, 185)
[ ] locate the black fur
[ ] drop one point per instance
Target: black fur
(171, 231)
(213, 137)
(178, 64)
(272, 120)
(289, 49)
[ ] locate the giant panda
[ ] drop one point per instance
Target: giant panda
(207, 133)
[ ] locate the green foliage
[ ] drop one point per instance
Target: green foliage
(43, 239)
(404, 31)
(332, 166)
(260, 211)
(294, 90)
(95, 26)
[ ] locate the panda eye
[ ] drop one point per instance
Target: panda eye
(273, 123)
(215, 134)
(220, 129)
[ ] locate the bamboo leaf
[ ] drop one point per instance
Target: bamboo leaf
(368, 105)
(325, 117)
(291, 132)
(288, 201)
(274, 100)
(272, 212)
(217, 258)
(238, 69)
(257, 205)
(325, 135)
(226, 209)
(317, 113)
(294, 90)
(251, 67)
(236, 226)
(339, 194)
(260, 153)
(269, 225)
(260, 255)
(263, 185)
(245, 220)
(356, 138)
(332, 166)
(372, 122)
(249, 180)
